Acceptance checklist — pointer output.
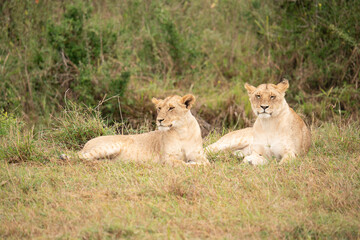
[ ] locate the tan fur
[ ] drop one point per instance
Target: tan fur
(178, 139)
(277, 132)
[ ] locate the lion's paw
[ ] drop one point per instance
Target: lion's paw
(255, 160)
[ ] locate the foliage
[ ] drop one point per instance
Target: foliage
(315, 45)
(18, 144)
(50, 54)
(76, 126)
(78, 42)
(7, 122)
(137, 49)
(69, 131)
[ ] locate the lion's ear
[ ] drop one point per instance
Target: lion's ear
(250, 89)
(188, 100)
(155, 101)
(283, 85)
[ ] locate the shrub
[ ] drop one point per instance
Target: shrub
(93, 84)
(18, 144)
(79, 42)
(164, 46)
(68, 37)
(77, 125)
(7, 123)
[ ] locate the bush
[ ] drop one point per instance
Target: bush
(74, 39)
(7, 123)
(315, 45)
(77, 125)
(93, 84)
(71, 130)
(83, 46)
(18, 144)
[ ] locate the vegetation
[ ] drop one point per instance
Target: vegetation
(74, 70)
(135, 50)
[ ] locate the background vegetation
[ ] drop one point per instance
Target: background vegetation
(94, 50)
(74, 70)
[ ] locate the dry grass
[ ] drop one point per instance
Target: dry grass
(318, 196)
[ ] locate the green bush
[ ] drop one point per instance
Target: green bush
(22, 147)
(17, 143)
(326, 33)
(315, 45)
(92, 84)
(85, 45)
(78, 41)
(76, 126)
(68, 37)
(8, 122)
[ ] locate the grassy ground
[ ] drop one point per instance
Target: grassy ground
(316, 196)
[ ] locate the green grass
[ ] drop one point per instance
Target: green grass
(316, 196)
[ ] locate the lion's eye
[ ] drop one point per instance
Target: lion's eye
(171, 108)
(159, 108)
(272, 97)
(258, 96)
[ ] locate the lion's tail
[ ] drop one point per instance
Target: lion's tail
(101, 152)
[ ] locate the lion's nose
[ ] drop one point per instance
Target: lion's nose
(160, 120)
(264, 107)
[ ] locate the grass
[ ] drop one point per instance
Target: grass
(316, 196)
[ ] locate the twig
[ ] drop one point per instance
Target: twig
(64, 59)
(122, 120)
(103, 101)
(31, 103)
(65, 96)
(3, 66)
(101, 50)
(67, 60)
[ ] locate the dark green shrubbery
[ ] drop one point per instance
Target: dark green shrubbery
(43, 55)
(83, 47)
(164, 47)
(77, 41)
(69, 36)
(92, 84)
(315, 44)
(91, 50)
(326, 33)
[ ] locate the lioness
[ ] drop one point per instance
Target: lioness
(277, 132)
(178, 139)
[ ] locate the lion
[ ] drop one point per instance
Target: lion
(177, 140)
(277, 132)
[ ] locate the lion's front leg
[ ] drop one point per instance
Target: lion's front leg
(236, 140)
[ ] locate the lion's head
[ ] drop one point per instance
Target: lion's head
(172, 110)
(267, 100)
